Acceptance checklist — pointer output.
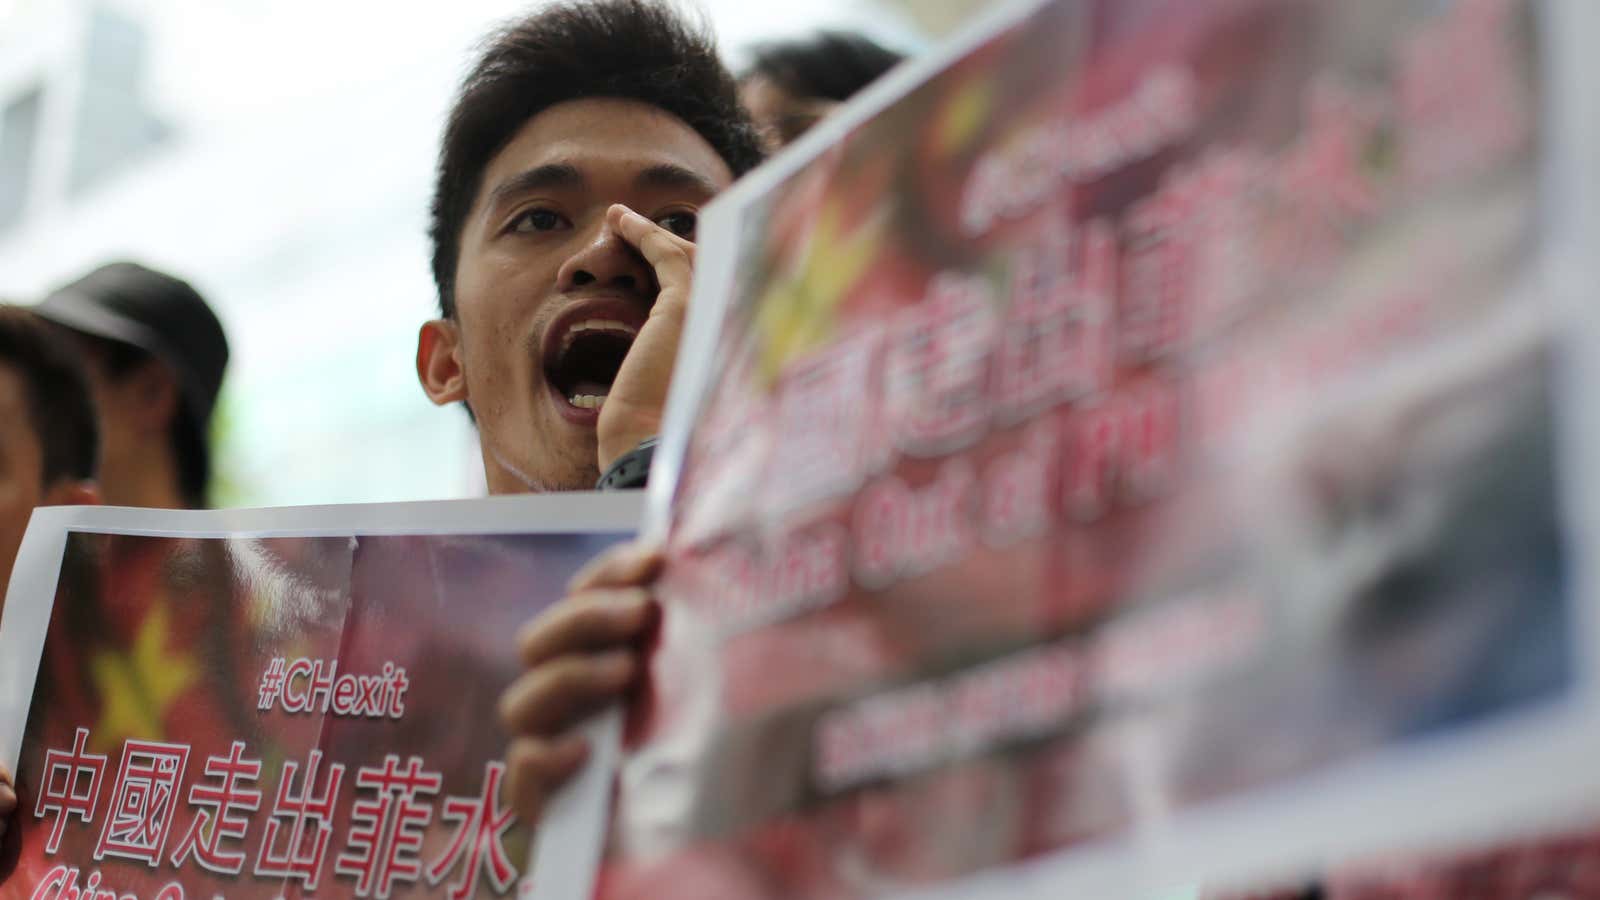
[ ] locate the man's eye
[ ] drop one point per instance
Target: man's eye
(681, 224)
(538, 220)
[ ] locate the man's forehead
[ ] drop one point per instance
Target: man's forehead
(607, 139)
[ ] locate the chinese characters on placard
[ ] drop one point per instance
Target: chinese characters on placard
(394, 803)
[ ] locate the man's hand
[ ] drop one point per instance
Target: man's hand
(8, 798)
(632, 411)
(581, 655)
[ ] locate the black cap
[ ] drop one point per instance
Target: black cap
(157, 313)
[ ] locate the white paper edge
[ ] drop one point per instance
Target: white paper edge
(571, 839)
(572, 832)
(23, 627)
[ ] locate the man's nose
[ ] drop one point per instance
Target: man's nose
(606, 260)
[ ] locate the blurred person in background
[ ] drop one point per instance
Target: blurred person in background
(792, 85)
(574, 163)
(156, 355)
(48, 443)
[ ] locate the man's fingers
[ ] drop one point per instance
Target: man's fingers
(537, 768)
(648, 237)
(597, 620)
(553, 696)
(671, 256)
(625, 565)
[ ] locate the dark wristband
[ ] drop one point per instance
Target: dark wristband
(631, 470)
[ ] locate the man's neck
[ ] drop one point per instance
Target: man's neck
(502, 476)
(148, 480)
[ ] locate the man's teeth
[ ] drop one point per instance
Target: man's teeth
(605, 325)
(608, 325)
(587, 401)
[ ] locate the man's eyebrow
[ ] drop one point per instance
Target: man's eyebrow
(670, 176)
(538, 178)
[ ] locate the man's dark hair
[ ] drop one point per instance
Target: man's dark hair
(185, 436)
(832, 65)
(626, 49)
(60, 407)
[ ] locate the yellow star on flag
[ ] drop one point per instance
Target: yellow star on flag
(136, 687)
(797, 312)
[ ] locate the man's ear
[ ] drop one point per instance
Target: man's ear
(439, 362)
(72, 492)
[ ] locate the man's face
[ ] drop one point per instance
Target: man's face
(21, 468)
(548, 297)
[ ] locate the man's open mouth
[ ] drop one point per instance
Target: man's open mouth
(584, 350)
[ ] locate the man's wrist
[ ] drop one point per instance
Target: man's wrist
(630, 470)
(621, 430)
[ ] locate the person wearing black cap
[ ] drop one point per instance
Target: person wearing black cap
(156, 356)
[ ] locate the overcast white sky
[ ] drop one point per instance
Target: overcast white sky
(220, 57)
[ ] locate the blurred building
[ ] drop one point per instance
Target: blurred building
(279, 156)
